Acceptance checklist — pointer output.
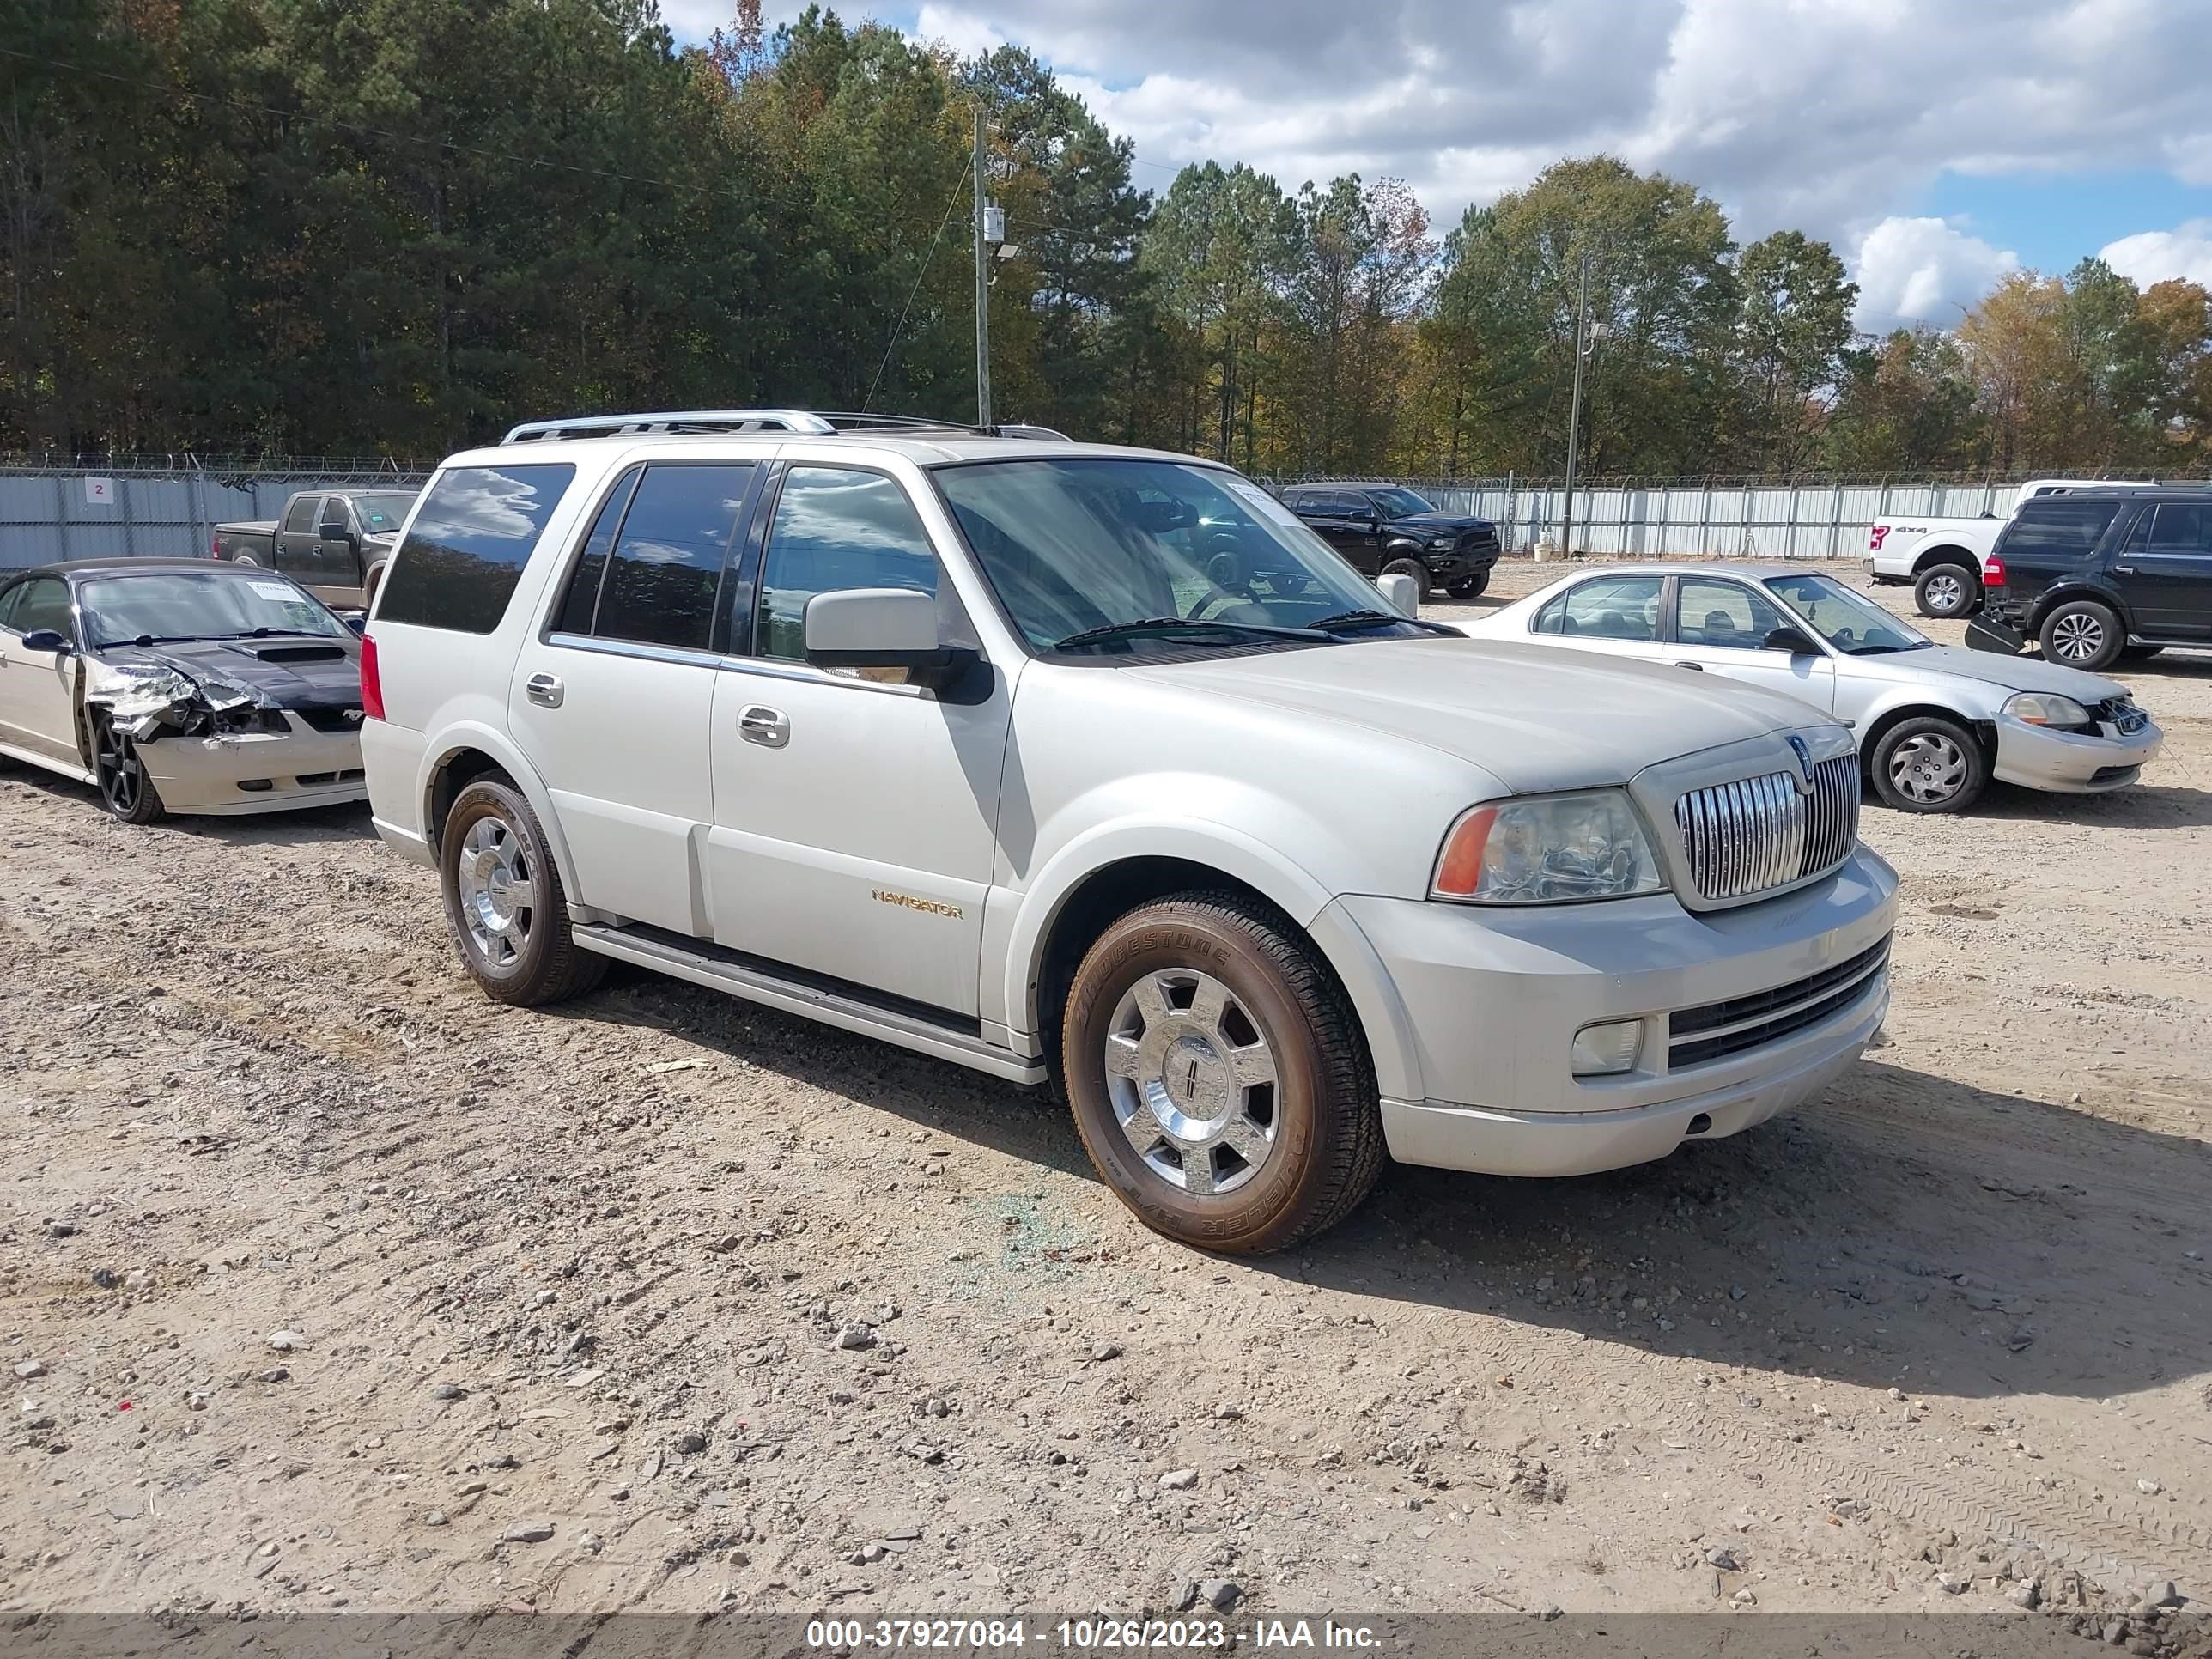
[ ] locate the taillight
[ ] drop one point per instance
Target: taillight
(214, 548)
(372, 683)
(1993, 571)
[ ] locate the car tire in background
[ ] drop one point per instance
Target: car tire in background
(1413, 567)
(504, 902)
(125, 789)
(1469, 587)
(2084, 634)
(372, 579)
(1219, 1077)
(1947, 589)
(1928, 764)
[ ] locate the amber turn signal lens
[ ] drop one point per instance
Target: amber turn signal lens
(1459, 871)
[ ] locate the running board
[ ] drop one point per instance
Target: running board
(844, 1012)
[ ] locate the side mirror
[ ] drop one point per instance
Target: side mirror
(337, 531)
(45, 639)
(1400, 592)
(881, 628)
(1792, 639)
(1362, 515)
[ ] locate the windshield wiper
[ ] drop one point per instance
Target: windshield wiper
(1376, 618)
(1143, 625)
(148, 639)
(270, 634)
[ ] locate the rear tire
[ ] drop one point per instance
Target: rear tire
(504, 900)
(1469, 587)
(1219, 1077)
(1947, 589)
(2084, 634)
(1928, 764)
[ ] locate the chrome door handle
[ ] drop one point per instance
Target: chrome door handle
(543, 689)
(2123, 570)
(1694, 667)
(756, 723)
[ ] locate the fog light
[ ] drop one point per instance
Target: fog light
(1601, 1050)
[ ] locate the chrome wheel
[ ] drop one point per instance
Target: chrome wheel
(1191, 1080)
(498, 885)
(2078, 636)
(1928, 768)
(121, 774)
(1944, 594)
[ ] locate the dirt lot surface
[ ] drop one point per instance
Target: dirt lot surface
(328, 1283)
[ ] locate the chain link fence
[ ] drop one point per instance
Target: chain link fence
(150, 509)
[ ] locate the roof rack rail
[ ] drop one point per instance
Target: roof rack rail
(693, 420)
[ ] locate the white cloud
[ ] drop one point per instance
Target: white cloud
(965, 32)
(1924, 270)
(2152, 256)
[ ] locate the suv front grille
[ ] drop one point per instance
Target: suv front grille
(1718, 1030)
(1760, 833)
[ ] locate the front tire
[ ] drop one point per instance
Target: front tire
(372, 579)
(1469, 587)
(125, 789)
(1218, 1076)
(1947, 589)
(1413, 567)
(504, 900)
(2083, 634)
(1928, 764)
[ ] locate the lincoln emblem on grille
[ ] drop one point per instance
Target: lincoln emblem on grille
(1804, 763)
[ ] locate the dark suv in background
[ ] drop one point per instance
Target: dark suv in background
(2098, 576)
(1385, 529)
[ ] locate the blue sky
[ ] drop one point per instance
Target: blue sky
(1937, 143)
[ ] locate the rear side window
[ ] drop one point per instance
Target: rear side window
(2182, 529)
(1610, 608)
(467, 547)
(301, 515)
(666, 573)
(2062, 526)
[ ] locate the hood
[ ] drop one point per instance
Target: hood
(2010, 673)
(1535, 717)
(285, 672)
(1436, 523)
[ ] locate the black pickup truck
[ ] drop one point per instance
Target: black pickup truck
(333, 542)
(1385, 529)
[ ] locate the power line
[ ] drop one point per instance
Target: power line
(891, 344)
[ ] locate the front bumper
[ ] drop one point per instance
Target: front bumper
(2071, 764)
(304, 768)
(1492, 1000)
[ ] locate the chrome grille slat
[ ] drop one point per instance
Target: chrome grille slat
(1752, 835)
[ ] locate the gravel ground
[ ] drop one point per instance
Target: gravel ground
(330, 1283)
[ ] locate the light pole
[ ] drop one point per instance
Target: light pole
(982, 287)
(1586, 338)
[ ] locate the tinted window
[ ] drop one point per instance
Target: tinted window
(301, 515)
(2062, 524)
(836, 528)
(2180, 529)
(1723, 613)
(1609, 608)
(666, 573)
(582, 602)
(465, 552)
(42, 602)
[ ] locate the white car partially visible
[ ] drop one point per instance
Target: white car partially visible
(1942, 559)
(1935, 724)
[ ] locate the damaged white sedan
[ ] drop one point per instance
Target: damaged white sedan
(175, 685)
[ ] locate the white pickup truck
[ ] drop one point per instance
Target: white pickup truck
(1941, 559)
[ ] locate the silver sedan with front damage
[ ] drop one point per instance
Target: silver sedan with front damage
(1935, 724)
(175, 685)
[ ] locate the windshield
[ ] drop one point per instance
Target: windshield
(1073, 546)
(190, 605)
(1850, 621)
(1400, 503)
(382, 512)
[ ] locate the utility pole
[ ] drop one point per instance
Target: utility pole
(982, 289)
(1575, 415)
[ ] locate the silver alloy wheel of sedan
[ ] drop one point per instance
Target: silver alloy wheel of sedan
(1191, 1080)
(2078, 636)
(1928, 768)
(498, 890)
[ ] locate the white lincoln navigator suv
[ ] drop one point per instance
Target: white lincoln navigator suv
(1094, 766)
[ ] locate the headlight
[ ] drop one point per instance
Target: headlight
(2043, 708)
(1547, 849)
(1441, 542)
